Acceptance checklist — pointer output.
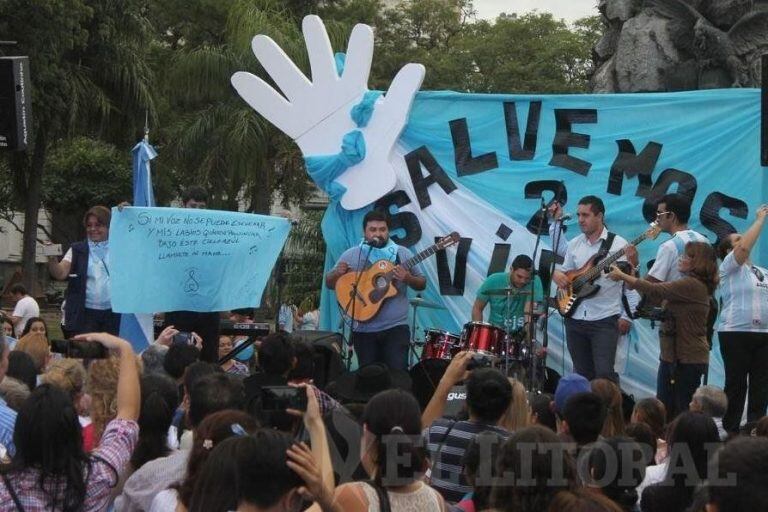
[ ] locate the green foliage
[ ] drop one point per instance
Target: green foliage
(84, 172)
(303, 257)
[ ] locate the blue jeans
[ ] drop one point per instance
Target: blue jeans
(677, 396)
(592, 345)
(389, 346)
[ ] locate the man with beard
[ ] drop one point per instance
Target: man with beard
(384, 338)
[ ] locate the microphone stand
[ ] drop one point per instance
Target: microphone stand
(531, 302)
(545, 323)
(352, 302)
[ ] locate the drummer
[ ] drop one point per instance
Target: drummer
(509, 295)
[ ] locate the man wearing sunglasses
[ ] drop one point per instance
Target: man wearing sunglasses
(672, 214)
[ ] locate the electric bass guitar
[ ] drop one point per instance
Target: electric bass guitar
(583, 285)
(363, 293)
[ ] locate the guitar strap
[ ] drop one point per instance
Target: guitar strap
(605, 246)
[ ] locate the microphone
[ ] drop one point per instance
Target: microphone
(566, 216)
(375, 242)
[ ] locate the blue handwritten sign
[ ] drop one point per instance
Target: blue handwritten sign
(168, 259)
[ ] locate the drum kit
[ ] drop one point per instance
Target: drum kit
(508, 349)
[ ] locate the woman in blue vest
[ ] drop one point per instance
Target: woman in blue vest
(88, 306)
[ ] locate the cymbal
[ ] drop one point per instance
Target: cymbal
(508, 291)
(422, 303)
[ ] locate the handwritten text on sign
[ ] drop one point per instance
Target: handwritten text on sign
(168, 259)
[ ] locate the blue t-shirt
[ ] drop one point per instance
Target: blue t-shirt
(394, 310)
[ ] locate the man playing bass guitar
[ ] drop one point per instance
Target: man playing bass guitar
(591, 329)
(383, 338)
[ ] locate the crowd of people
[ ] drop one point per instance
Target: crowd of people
(164, 430)
(180, 426)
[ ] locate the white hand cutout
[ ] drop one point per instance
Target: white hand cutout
(316, 114)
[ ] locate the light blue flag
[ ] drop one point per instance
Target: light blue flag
(138, 329)
(169, 259)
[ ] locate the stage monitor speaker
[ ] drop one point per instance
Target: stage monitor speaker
(328, 346)
(15, 104)
(424, 377)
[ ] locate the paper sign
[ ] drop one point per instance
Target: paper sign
(169, 259)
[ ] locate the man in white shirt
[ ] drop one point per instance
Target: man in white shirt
(592, 330)
(630, 299)
(672, 214)
(26, 308)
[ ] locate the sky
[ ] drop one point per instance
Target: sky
(570, 10)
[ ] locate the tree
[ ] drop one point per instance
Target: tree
(80, 173)
(88, 75)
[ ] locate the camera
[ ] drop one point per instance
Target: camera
(80, 349)
(280, 398)
(183, 338)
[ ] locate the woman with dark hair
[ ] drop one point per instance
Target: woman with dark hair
(391, 427)
(22, 367)
(693, 437)
(50, 470)
(35, 325)
(535, 466)
(88, 300)
(211, 432)
(652, 412)
(743, 328)
(616, 467)
(684, 357)
(479, 468)
(159, 400)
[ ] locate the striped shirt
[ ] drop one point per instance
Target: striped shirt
(665, 266)
(446, 441)
(744, 296)
(7, 422)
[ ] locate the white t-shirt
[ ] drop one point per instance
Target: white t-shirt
(744, 296)
(26, 308)
(665, 267)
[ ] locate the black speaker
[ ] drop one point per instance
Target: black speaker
(15, 104)
(327, 346)
(424, 377)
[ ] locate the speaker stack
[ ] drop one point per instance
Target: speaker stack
(15, 104)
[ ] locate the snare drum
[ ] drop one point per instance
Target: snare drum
(439, 344)
(483, 338)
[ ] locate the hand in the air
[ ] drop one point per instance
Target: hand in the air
(316, 113)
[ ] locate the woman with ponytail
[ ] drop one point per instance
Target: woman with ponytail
(392, 454)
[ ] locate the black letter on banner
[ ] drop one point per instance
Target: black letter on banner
(528, 150)
(462, 148)
(453, 286)
(405, 220)
(533, 190)
(414, 160)
(686, 185)
(499, 258)
(565, 138)
(710, 213)
(630, 164)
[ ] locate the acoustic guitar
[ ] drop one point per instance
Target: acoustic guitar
(374, 284)
(583, 285)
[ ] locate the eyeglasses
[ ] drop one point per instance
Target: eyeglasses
(659, 214)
